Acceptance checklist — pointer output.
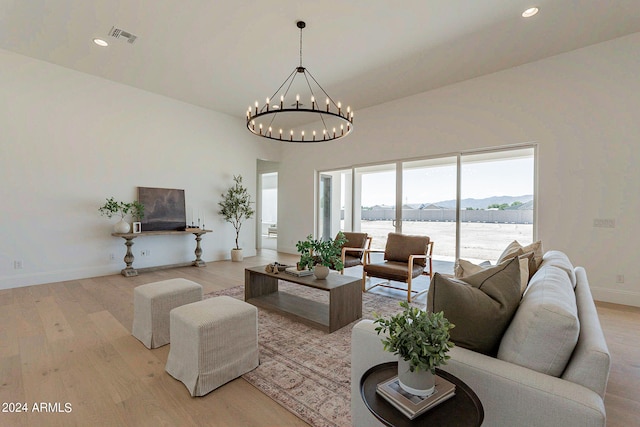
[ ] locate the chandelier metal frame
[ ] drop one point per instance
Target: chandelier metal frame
(260, 118)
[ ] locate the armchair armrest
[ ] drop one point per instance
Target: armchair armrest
(367, 255)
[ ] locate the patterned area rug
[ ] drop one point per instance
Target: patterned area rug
(305, 370)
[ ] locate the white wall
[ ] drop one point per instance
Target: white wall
(581, 107)
(69, 140)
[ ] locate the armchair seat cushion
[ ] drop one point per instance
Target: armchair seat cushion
(392, 270)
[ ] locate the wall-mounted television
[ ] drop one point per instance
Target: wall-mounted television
(164, 209)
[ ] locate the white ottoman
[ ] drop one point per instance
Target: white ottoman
(212, 342)
(151, 306)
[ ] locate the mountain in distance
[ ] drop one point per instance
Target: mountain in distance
(527, 201)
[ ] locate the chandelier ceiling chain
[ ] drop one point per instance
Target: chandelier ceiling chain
(333, 122)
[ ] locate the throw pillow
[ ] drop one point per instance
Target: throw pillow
(516, 249)
(466, 268)
(480, 305)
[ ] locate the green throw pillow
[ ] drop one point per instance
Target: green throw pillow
(480, 305)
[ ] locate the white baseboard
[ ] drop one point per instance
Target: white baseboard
(30, 279)
(616, 296)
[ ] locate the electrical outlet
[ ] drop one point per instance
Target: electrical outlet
(17, 264)
(620, 278)
(604, 223)
(143, 253)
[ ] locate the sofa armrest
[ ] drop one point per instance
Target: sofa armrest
(513, 395)
(510, 394)
(366, 351)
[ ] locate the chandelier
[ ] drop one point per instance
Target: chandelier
(312, 117)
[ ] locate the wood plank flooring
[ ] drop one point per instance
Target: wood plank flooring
(70, 342)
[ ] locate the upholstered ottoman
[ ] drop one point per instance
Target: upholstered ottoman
(212, 342)
(151, 306)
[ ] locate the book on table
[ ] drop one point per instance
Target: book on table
(299, 273)
(410, 404)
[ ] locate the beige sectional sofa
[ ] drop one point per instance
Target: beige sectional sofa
(551, 367)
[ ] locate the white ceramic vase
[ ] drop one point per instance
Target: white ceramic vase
(236, 255)
(122, 226)
(419, 383)
(321, 271)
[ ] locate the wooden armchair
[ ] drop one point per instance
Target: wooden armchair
(405, 258)
(354, 249)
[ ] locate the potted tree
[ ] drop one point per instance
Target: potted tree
(321, 255)
(421, 341)
(112, 208)
(235, 207)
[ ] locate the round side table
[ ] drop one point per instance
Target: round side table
(463, 409)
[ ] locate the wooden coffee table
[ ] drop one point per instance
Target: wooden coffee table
(345, 297)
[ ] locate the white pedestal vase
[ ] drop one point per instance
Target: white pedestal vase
(321, 271)
(236, 255)
(419, 383)
(121, 226)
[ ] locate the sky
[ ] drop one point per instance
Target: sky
(437, 183)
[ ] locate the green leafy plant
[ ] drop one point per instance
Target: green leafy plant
(419, 337)
(235, 206)
(324, 252)
(112, 208)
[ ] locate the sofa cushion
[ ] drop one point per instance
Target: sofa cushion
(400, 246)
(466, 268)
(480, 305)
(560, 260)
(545, 328)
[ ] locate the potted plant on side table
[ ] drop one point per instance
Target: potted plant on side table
(112, 208)
(421, 341)
(321, 255)
(235, 207)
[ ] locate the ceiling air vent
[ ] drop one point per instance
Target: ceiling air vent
(122, 34)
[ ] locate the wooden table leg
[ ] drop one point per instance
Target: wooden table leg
(129, 271)
(198, 262)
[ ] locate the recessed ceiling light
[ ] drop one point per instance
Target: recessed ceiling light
(530, 12)
(100, 42)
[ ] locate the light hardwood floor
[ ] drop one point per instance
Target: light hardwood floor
(70, 342)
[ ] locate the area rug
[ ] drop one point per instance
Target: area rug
(305, 370)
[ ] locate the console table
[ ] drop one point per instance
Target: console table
(129, 271)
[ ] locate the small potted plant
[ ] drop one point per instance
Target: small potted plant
(321, 255)
(421, 341)
(112, 208)
(235, 208)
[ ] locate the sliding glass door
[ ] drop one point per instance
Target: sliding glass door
(497, 195)
(472, 205)
(429, 202)
(375, 202)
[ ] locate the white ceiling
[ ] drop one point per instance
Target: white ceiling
(225, 54)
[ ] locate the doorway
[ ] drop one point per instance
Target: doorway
(268, 210)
